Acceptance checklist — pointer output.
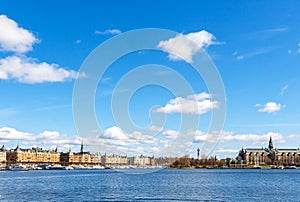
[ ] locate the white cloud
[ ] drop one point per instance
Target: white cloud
(270, 107)
(109, 31)
(283, 89)
(115, 133)
(170, 134)
(256, 139)
(226, 151)
(15, 38)
(28, 70)
(193, 104)
(184, 46)
(155, 128)
(289, 52)
(78, 41)
(240, 57)
(237, 55)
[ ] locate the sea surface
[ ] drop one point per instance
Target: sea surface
(164, 185)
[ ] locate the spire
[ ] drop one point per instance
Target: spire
(3, 148)
(198, 154)
(18, 148)
(81, 148)
(271, 144)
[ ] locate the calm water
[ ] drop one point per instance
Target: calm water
(165, 185)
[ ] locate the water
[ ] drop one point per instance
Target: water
(165, 185)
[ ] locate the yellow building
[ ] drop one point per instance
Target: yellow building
(80, 158)
(2, 157)
(114, 160)
(36, 155)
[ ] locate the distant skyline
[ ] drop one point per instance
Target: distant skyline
(254, 45)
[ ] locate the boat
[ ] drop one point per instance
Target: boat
(55, 167)
(98, 167)
(290, 167)
(69, 168)
(18, 167)
(79, 167)
(256, 167)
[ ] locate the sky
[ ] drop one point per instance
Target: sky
(141, 99)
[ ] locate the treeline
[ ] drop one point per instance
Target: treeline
(212, 162)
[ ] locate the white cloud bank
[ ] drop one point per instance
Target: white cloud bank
(115, 140)
(193, 104)
(184, 46)
(270, 107)
(46, 137)
(15, 38)
(28, 70)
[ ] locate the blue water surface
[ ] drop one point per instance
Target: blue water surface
(164, 185)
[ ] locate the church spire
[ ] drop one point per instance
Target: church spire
(81, 148)
(271, 144)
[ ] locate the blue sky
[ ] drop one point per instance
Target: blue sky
(254, 45)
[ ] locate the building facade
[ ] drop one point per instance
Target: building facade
(80, 158)
(36, 155)
(114, 160)
(270, 156)
(141, 161)
(2, 157)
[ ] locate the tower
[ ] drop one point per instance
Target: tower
(81, 148)
(198, 154)
(271, 144)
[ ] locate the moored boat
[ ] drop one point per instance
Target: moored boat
(18, 167)
(55, 167)
(290, 167)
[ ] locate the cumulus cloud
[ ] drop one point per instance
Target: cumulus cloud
(226, 151)
(226, 136)
(170, 134)
(270, 107)
(116, 133)
(29, 70)
(184, 46)
(109, 31)
(15, 38)
(193, 104)
(155, 128)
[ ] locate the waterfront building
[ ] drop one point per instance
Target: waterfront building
(114, 160)
(270, 155)
(141, 161)
(35, 155)
(80, 158)
(2, 156)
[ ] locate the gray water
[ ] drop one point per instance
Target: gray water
(165, 185)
